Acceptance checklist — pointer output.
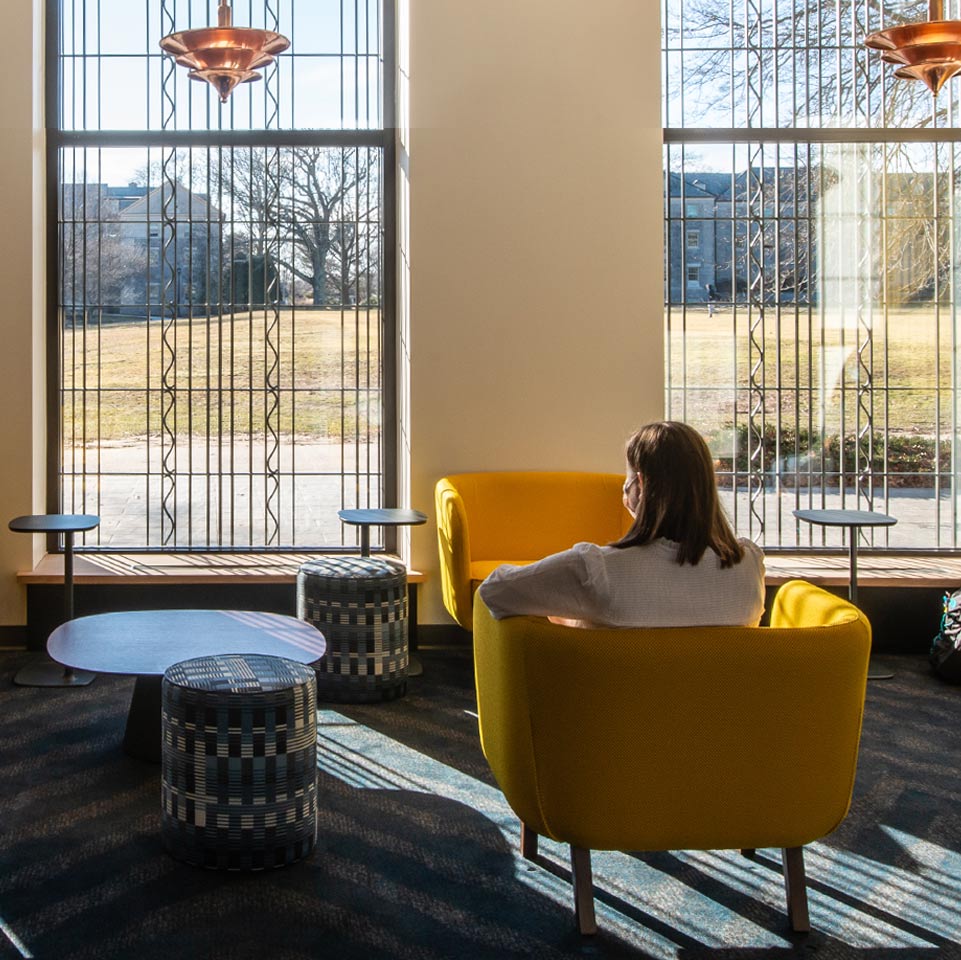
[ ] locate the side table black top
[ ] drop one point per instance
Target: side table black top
(54, 523)
(50, 674)
(147, 642)
(846, 518)
(383, 516)
(387, 517)
(380, 517)
(853, 520)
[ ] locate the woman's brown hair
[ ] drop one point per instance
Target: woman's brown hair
(678, 494)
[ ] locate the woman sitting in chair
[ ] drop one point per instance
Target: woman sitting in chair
(678, 565)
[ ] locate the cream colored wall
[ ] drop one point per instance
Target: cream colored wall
(535, 240)
(534, 249)
(21, 279)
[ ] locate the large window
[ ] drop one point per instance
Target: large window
(824, 368)
(223, 321)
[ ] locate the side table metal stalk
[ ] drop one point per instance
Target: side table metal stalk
(387, 517)
(853, 520)
(49, 673)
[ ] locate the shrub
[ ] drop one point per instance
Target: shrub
(800, 458)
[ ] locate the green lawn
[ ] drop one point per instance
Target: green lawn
(326, 370)
(814, 358)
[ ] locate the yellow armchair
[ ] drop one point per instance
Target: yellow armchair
(674, 738)
(486, 519)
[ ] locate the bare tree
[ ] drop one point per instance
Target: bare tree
(93, 261)
(748, 62)
(312, 208)
(763, 85)
(352, 260)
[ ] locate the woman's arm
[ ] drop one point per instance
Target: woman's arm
(571, 585)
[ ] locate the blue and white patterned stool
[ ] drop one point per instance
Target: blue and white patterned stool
(360, 606)
(239, 765)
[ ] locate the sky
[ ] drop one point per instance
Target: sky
(112, 70)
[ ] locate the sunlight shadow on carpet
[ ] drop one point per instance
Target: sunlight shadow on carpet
(905, 906)
(7, 931)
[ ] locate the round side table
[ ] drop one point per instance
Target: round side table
(853, 520)
(380, 517)
(387, 517)
(48, 673)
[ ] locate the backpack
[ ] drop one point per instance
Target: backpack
(945, 654)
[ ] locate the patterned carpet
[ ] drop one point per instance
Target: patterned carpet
(417, 850)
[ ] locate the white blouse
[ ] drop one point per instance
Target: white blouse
(631, 587)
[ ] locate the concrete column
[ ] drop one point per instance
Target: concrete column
(535, 205)
(22, 281)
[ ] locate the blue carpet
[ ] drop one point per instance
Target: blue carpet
(418, 853)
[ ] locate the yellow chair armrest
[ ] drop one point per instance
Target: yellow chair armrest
(453, 540)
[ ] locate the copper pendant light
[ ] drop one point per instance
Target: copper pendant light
(929, 51)
(224, 55)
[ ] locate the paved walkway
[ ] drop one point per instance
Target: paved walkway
(207, 508)
(921, 517)
(220, 493)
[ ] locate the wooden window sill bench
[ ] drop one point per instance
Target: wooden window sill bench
(939, 571)
(176, 568)
(102, 576)
(826, 569)
(900, 592)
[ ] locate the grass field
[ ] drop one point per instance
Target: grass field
(327, 372)
(323, 372)
(813, 359)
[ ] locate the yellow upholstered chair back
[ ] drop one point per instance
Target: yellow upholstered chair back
(486, 519)
(680, 738)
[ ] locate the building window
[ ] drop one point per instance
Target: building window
(224, 311)
(693, 240)
(694, 275)
(836, 385)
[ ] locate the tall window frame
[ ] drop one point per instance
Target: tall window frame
(827, 195)
(170, 134)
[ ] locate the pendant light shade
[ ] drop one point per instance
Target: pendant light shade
(929, 51)
(224, 55)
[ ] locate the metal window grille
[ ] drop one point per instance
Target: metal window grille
(817, 349)
(222, 288)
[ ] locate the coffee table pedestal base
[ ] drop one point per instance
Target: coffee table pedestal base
(142, 738)
(145, 643)
(47, 673)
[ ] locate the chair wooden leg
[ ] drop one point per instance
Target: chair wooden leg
(528, 842)
(583, 890)
(748, 852)
(795, 887)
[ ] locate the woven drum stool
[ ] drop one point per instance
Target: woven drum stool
(239, 767)
(360, 606)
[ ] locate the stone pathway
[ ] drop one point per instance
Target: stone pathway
(921, 516)
(231, 510)
(221, 499)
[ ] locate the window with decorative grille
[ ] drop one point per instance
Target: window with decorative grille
(824, 369)
(221, 283)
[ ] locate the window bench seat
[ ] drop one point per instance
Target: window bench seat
(900, 592)
(115, 581)
(176, 568)
(941, 571)
(874, 569)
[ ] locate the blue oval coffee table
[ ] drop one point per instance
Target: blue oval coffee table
(145, 643)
